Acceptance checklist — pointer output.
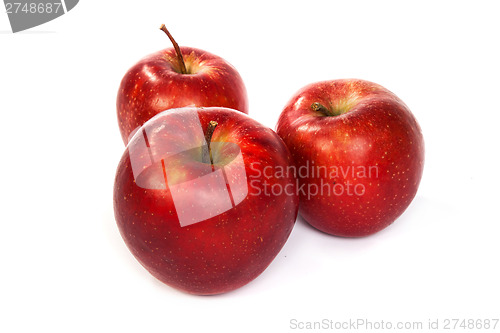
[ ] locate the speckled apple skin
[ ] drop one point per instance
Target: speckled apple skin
(221, 253)
(155, 84)
(378, 131)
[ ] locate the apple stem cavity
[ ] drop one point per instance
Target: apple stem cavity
(182, 65)
(208, 138)
(323, 109)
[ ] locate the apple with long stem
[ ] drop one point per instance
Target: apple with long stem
(358, 152)
(176, 77)
(193, 203)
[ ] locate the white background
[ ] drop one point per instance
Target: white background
(64, 267)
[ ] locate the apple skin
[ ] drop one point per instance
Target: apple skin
(366, 129)
(156, 84)
(220, 253)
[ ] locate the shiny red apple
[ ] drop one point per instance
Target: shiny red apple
(176, 77)
(193, 203)
(359, 154)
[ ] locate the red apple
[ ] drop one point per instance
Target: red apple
(176, 77)
(359, 154)
(193, 203)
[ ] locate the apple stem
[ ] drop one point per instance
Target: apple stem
(320, 108)
(208, 137)
(177, 49)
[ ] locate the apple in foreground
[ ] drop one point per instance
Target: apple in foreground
(176, 77)
(358, 152)
(193, 203)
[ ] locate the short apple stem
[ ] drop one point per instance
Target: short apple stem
(208, 138)
(177, 49)
(320, 108)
